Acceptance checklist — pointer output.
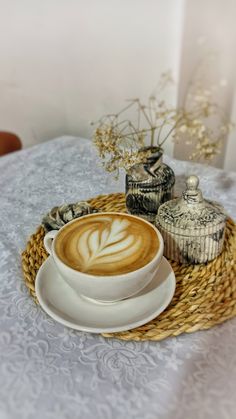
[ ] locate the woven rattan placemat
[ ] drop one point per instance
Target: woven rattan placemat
(205, 294)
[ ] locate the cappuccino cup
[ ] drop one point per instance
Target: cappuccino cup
(106, 256)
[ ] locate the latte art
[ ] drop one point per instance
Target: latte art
(107, 244)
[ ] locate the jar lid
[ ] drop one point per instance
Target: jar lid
(191, 215)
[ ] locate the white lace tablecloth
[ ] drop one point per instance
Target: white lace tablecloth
(50, 372)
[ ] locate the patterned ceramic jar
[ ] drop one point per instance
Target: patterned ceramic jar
(149, 185)
(192, 227)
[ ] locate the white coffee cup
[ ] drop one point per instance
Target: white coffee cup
(106, 288)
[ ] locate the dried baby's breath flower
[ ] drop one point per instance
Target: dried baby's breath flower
(206, 149)
(119, 140)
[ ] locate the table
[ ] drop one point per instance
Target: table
(51, 372)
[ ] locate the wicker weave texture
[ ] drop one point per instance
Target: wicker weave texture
(205, 294)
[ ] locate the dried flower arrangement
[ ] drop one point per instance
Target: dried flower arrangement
(120, 142)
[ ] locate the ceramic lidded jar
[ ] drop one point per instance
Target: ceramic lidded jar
(192, 227)
(148, 185)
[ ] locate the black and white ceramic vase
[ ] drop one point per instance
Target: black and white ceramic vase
(192, 227)
(148, 185)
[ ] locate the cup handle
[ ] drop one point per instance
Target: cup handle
(48, 239)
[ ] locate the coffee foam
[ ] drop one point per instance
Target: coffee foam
(107, 244)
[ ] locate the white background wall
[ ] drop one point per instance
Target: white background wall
(64, 63)
(209, 36)
(230, 154)
(67, 62)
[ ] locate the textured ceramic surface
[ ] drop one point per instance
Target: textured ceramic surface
(72, 310)
(59, 216)
(148, 186)
(192, 227)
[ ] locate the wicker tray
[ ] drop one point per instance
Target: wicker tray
(205, 294)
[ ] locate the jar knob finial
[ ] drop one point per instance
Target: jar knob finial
(192, 194)
(192, 183)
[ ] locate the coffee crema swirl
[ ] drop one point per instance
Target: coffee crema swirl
(107, 244)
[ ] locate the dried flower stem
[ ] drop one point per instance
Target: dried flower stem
(119, 141)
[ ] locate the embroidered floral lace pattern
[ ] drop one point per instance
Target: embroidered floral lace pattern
(51, 372)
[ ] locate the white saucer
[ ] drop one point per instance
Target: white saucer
(65, 306)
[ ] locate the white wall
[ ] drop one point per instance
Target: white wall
(209, 37)
(66, 62)
(230, 155)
